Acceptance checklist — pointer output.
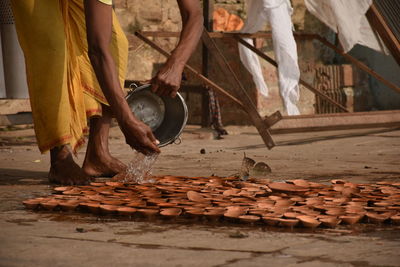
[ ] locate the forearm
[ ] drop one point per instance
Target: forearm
(192, 27)
(104, 67)
(99, 31)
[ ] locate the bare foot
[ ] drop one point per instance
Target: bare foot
(64, 170)
(102, 166)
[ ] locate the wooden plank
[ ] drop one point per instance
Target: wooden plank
(302, 82)
(338, 121)
(166, 34)
(379, 24)
(13, 106)
(16, 119)
(240, 91)
(191, 69)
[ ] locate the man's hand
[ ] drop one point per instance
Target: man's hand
(140, 137)
(168, 80)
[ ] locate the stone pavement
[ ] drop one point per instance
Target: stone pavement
(60, 239)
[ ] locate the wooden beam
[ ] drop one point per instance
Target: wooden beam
(337, 121)
(379, 24)
(297, 35)
(191, 69)
(249, 106)
(302, 82)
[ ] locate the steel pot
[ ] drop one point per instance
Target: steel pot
(166, 116)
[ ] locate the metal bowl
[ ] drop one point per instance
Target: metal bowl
(166, 116)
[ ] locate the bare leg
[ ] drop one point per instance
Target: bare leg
(98, 160)
(63, 168)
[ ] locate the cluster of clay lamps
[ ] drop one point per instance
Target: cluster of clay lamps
(294, 203)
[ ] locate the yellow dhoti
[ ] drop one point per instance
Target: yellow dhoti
(63, 88)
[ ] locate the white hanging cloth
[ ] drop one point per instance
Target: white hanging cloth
(348, 20)
(277, 13)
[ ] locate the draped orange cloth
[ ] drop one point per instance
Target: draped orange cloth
(63, 88)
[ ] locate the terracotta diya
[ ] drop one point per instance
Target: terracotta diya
(309, 221)
(126, 211)
(171, 212)
(330, 221)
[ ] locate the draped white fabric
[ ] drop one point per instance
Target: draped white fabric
(277, 13)
(347, 19)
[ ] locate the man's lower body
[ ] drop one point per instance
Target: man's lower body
(63, 88)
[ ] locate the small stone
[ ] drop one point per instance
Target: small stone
(202, 151)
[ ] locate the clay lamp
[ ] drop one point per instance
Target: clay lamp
(351, 218)
(274, 198)
(289, 223)
(340, 200)
(395, 219)
(331, 222)
(148, 213)
(62, 188)
(108, 209)
(97, 184)
(194, 212)
(195, 197)
(106, 192)
(49, 205)
(297, 199)
(171, 212)
(126, 211)
(382, 204)
(309, 221)
(73, 191)
(283, 203)
(285, 187)
(114, 202)
(291, 215)
(93, 207)
(338, 187)
(355, 210)
(265, 205)
(69, 205)
(239, 200)
(376, 218)
(335, 211)
(114, 184)
(214, 214)
(156, 201)
(249, 218)
(136, 204)
(167, 204)
(31, 203)
(271, 220)
(88, 193)
(301, 182)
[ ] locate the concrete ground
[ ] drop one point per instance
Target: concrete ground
(59, 239)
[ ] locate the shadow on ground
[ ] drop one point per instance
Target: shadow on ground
(21, 176)
(315, 139)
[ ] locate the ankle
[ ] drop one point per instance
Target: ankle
(59, 153)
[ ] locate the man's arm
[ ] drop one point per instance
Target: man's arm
(168, 79)
(99, 32)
